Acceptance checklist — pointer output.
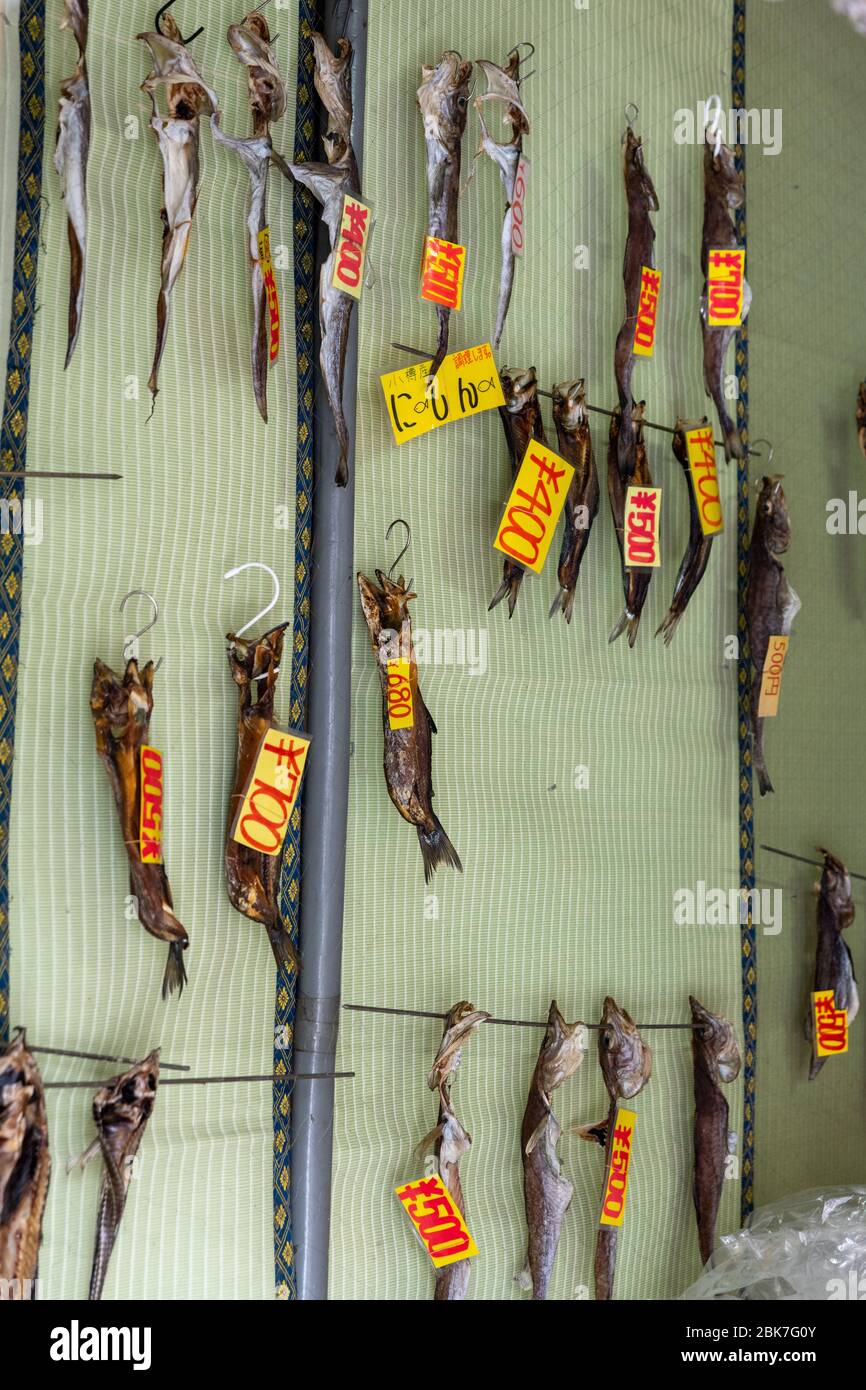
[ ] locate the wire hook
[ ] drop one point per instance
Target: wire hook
(631, 106)
(753, 453)
(399, 522)
(713, 126)
(256, 565)
(158, 27)
(524, 43)
(135, 635)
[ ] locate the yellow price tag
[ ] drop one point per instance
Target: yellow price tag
(537, 498)
(466, 383)
(437, 1220)
(616, 1173)
(263, 815)
(831, 1024)
(771, 680)
(401, 713)
(705, 479)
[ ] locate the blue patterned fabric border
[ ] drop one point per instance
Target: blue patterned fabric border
(747, 833)
(13, 434)
(306, 300)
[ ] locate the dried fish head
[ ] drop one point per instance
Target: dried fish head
(772, 517)
(569, 404)
(503, 85)
(333, 82)
(174, 68)
(519, 387)
(459, 1023)
(250, 42)
(444, 98)
(385, 607)
(562, 1051)
(25, 1165)
(122, 1107)
(835, 888)
(637, 178)
(625, 1059)
(713, 1038)
(723, 179)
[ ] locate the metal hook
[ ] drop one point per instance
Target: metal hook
(256, 565)
(399, 522)
(344, 23)
(158, 27)
(712, 125)
(135, 635)
(524, 43)
(631, 106)
(753, 453)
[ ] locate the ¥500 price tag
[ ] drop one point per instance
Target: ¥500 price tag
(466, 383)
(271, 290)
(437, 1220)
(647, 310)
(401, 714)
(150, 817)
(616, 1174)
(442, 271)
(771, 681)
(705, 479)
(533, 509)
(267, 803)
(831, 1024)
(641, 528)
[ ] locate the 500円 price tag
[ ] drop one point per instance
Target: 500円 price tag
(616, 1173)
(437, 1220)
(533, 509)
(466, 383)
(269, 799)
(271, 291)
(350, 252)
(831, 1024)
(771, 679)
(401, 711)
(150, 811)
(701, 450)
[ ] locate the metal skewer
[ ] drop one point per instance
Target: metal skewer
(101, 1057)
(45, 473)
(786, 854)
(209, 1080)
(505, 1022)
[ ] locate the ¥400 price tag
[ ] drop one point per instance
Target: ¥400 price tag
(263, 815)
(350, 252)
(701, 451)
(533, 509)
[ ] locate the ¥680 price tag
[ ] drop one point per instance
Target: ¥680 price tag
(401, 714)
(533, 509)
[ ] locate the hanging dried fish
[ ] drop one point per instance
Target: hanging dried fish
(449, 1140)
(121, 1110)
(641, 200)
(121, 709)
(328, 183)
(187, 95)
(724, 191)
(250, 42)
(521, 420)
(503, 85)
(443, 99)
(547, 1192)
(834, 964)
(696, 558)
(626, 1065)
(71, 149)
(635, 582)
(861, 417)
(716, 1060)
(771, 603)
(408, 740)
(253, 878)
(581, 503)
(25, 1167)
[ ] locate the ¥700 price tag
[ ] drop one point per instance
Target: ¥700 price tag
(726, 273)
(831, 1024)
(437, 1220)
(533, 509)
(263, 816)
(616, 1174)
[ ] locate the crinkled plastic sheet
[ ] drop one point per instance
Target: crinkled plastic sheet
(802, 1247)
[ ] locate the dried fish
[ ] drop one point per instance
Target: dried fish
(716, 1059)
(547, 1192)
(581, 503)
(834, 964)
(449, 1140)
(121, 708)
(443, 99)
(121, 1110)
(861, 417)
(723, 190)
(71, 149)
(696, 558)
(771, 604)
(521, 420)
(253, 878)
(250, 42)
(626, 1065)
(408, 750)
(187, 95)
(635, 582)
(25, 1168)
(641, 200)
(328, 183)
(503, 85)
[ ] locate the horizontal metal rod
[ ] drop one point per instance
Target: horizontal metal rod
(44, 473)
(506, 1022)
(786, 854)
(209, 1080)
(102, 1057)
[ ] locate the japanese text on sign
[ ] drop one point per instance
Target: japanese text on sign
(401, 714)
(647, 309)
(705, 479)
(725, 279)
(442, 270)
(437, 1220)
(466, 383)
(518, 207)
(267, 803)
(616, 1173)
(831, 1024)
(150, 814)
(533, 509)
(771, 680)
(350, 251)
(271, 291)
(641, 527)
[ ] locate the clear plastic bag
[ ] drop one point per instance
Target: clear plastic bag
(808, 1246)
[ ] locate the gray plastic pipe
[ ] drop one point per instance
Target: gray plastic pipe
(326, 793)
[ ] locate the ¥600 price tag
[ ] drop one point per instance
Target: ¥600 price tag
(647, 310)
(533, 509)
(263, 815)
